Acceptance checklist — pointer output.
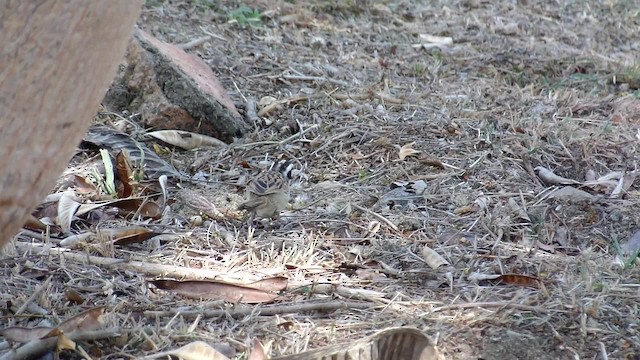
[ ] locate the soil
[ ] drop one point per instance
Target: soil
(484, 93)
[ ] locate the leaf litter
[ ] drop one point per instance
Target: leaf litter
(491, 95)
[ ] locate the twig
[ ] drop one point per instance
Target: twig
(38, 347)
(193, 43)
(263, 311)
(34, 295)
(382, 218)
(491, 304)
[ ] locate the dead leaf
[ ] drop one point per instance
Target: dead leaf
(433, 259)
(64, 343)
(632, 246)
(434, 39)
(561, 235)
(277, 283)
(85, 321)
(126, 235)
(34, 223)
(519, 280)
(187, 140)
(466, 209)
(197, 350)
(551, 178)
(407, 150)
(67, 207)
(83, 186)
(124, 172)
(370, 275)
(372, 228)
(74, 297)
(215, 290)
(429, 161)
(257, 352)
(139, 206)
(23, 335)
(518, 210)
(623, 185)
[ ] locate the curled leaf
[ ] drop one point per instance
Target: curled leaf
(407, 150)
(433, 259)
(551, 178)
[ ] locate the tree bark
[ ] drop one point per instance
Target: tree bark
(57, 59)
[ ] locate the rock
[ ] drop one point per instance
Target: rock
(172, 89)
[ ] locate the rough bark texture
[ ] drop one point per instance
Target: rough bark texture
(57, 59)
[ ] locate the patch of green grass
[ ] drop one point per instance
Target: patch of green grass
(362, 174)
(419, 69)
(246, 16)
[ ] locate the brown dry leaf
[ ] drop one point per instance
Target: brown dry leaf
(124, 172)
(83, 186)
(143, 207)
(34, 223)
(519, 280)
(391, 344)
(73, 296)
(466, 209)
(139, 205)
(427, 160)
(64, 343)
(187, 140)
(551, 178)
(370, 275)
(23, 335)
(215, 290)
(86, 321)
(432, 258)
(623, 185)
(67, 207)
(197, 350)
(407, 150)
(258, 351)
(277, 283)
(126, 235)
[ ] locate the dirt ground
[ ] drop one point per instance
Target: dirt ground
(415, 125)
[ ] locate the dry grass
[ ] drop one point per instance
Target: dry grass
(524, 84)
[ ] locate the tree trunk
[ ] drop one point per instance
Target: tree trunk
(57, 59)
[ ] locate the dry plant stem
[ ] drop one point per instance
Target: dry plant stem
(39, 347)
(35, 294)
(281, 142)
(151, 269)
(536, 309)
(194, 43)
(270, 310)
(380, 217)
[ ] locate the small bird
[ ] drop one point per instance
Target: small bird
(268, 193)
